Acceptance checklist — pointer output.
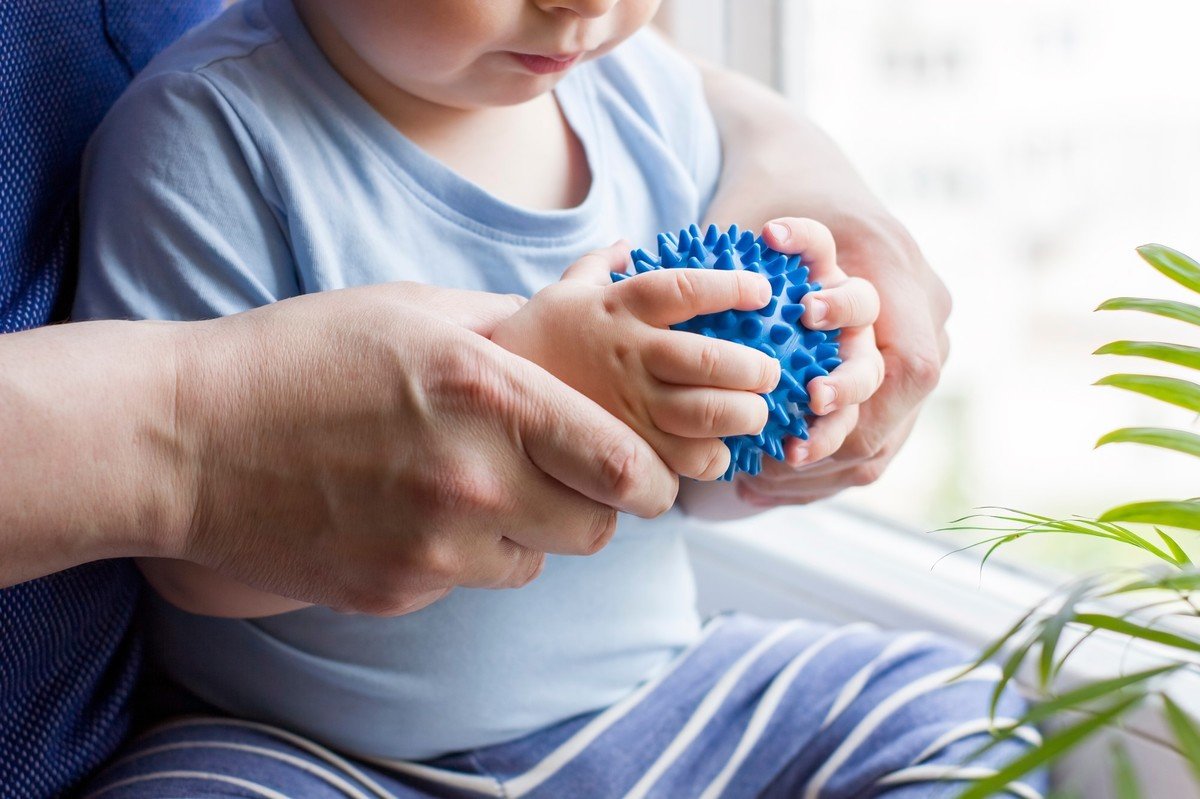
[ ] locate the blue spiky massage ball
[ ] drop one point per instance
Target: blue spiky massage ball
(774, 329)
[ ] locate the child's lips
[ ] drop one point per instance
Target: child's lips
(545, 65)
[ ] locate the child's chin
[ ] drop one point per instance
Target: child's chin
(522, 89)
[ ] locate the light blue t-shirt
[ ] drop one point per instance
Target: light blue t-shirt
(240, 169)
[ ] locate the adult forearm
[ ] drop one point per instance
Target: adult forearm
(776, 161)
(88, 459)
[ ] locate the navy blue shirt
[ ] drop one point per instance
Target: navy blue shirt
(68, 653)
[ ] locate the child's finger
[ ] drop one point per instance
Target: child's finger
(809, 239)
(688, 359)
(694, 412)
(670, 296)
(853, 382)
(699, 458)
(597, 266)
(825, 437)
(854, 303)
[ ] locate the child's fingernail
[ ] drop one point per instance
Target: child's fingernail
(780, 231)
(825, 396)
(816, 311)
(801, 456)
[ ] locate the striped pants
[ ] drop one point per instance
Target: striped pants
(754, 709)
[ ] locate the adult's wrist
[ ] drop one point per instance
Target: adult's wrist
(85, 416)
(149, 509)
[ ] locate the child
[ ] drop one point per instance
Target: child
(287, 149)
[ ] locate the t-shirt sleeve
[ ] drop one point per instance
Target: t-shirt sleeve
(666, 90)
(178, 216)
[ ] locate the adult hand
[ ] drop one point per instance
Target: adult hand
(848, 303)
(779, 163)
(370, 449)
(911, 337)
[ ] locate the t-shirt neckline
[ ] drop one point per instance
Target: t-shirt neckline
(435, 184)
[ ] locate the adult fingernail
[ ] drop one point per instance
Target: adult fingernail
(816, 311)
(825, 396)
(780, 231)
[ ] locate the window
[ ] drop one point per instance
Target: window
(1029, 145)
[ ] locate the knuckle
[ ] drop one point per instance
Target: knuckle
(527, 565)
(468, 377)
(855, 306)
(683, 288)
(623, 469)
(709, 362)
(923, 370)
(463, 488)
(716, 461)
(602, 529)
(862, 446)
(612, 302)
(712, 411)
(865, 473)
(438, 561)
(534, 563)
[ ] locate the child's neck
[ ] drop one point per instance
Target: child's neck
(524, 154)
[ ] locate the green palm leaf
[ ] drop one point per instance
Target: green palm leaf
(1052, 748)
(1124, 778)
(1178, 440)
(1077, 699)
(1172, 263)
(1183, 393)
(1104, 702)
(1157, 350)
(1087, 694)
(1171, 513)
(1181, 556)
(1102, 621)
(1187, 581)
(1171, 309)
(1185, 733)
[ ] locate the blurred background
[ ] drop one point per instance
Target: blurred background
(1029, 145)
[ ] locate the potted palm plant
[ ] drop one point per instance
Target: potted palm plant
(1156, 606)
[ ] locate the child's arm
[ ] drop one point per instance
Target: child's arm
(611, 342)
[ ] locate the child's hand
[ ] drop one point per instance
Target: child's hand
(845, 302)
(610, 341)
